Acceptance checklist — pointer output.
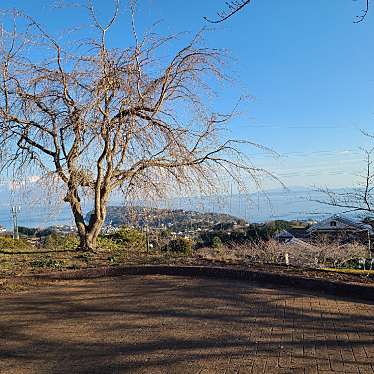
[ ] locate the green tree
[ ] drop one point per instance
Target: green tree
(180, 245)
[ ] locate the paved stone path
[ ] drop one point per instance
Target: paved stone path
(160, 324)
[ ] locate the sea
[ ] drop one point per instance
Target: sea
(36, 216)
(289, 204)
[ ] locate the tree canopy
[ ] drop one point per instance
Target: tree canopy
(95, 119)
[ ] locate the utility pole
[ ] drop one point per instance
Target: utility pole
(147, 237)
(15, 211)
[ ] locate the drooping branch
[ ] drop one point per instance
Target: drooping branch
(233, 7)
(364, 12)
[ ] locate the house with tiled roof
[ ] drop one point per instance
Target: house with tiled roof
(342, 227)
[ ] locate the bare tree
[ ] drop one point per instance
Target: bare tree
(357, 199)
(235, 6)
(98, 119)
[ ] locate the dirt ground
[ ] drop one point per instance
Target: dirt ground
(23, 263)
(164, 324)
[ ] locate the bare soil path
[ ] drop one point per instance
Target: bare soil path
(165, 324)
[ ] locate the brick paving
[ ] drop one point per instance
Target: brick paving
(165, 324)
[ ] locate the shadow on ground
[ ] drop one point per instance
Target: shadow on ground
(163, 324)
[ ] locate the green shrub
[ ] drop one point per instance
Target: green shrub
(217, 242)
(9, 243)
(129, 237)
(180, 245)
(107, 243)
(58, 241)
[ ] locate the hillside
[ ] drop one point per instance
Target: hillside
(178, 220)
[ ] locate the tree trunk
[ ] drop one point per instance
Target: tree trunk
(73, 199)
(88, 233)
(88, 239)
(87, 242)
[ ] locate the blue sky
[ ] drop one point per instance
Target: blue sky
(307, 66)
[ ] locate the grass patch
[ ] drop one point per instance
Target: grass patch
(350, 271)
(47, 263)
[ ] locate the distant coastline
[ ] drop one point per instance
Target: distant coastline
(272, 205)
(37, 216)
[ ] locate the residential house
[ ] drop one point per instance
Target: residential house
(291, 233)
(342, 228)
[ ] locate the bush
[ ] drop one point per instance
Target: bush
(107, 243)
(9, 243)
(129, 237)
(180, 245)
(217, 242)
(58, 241)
